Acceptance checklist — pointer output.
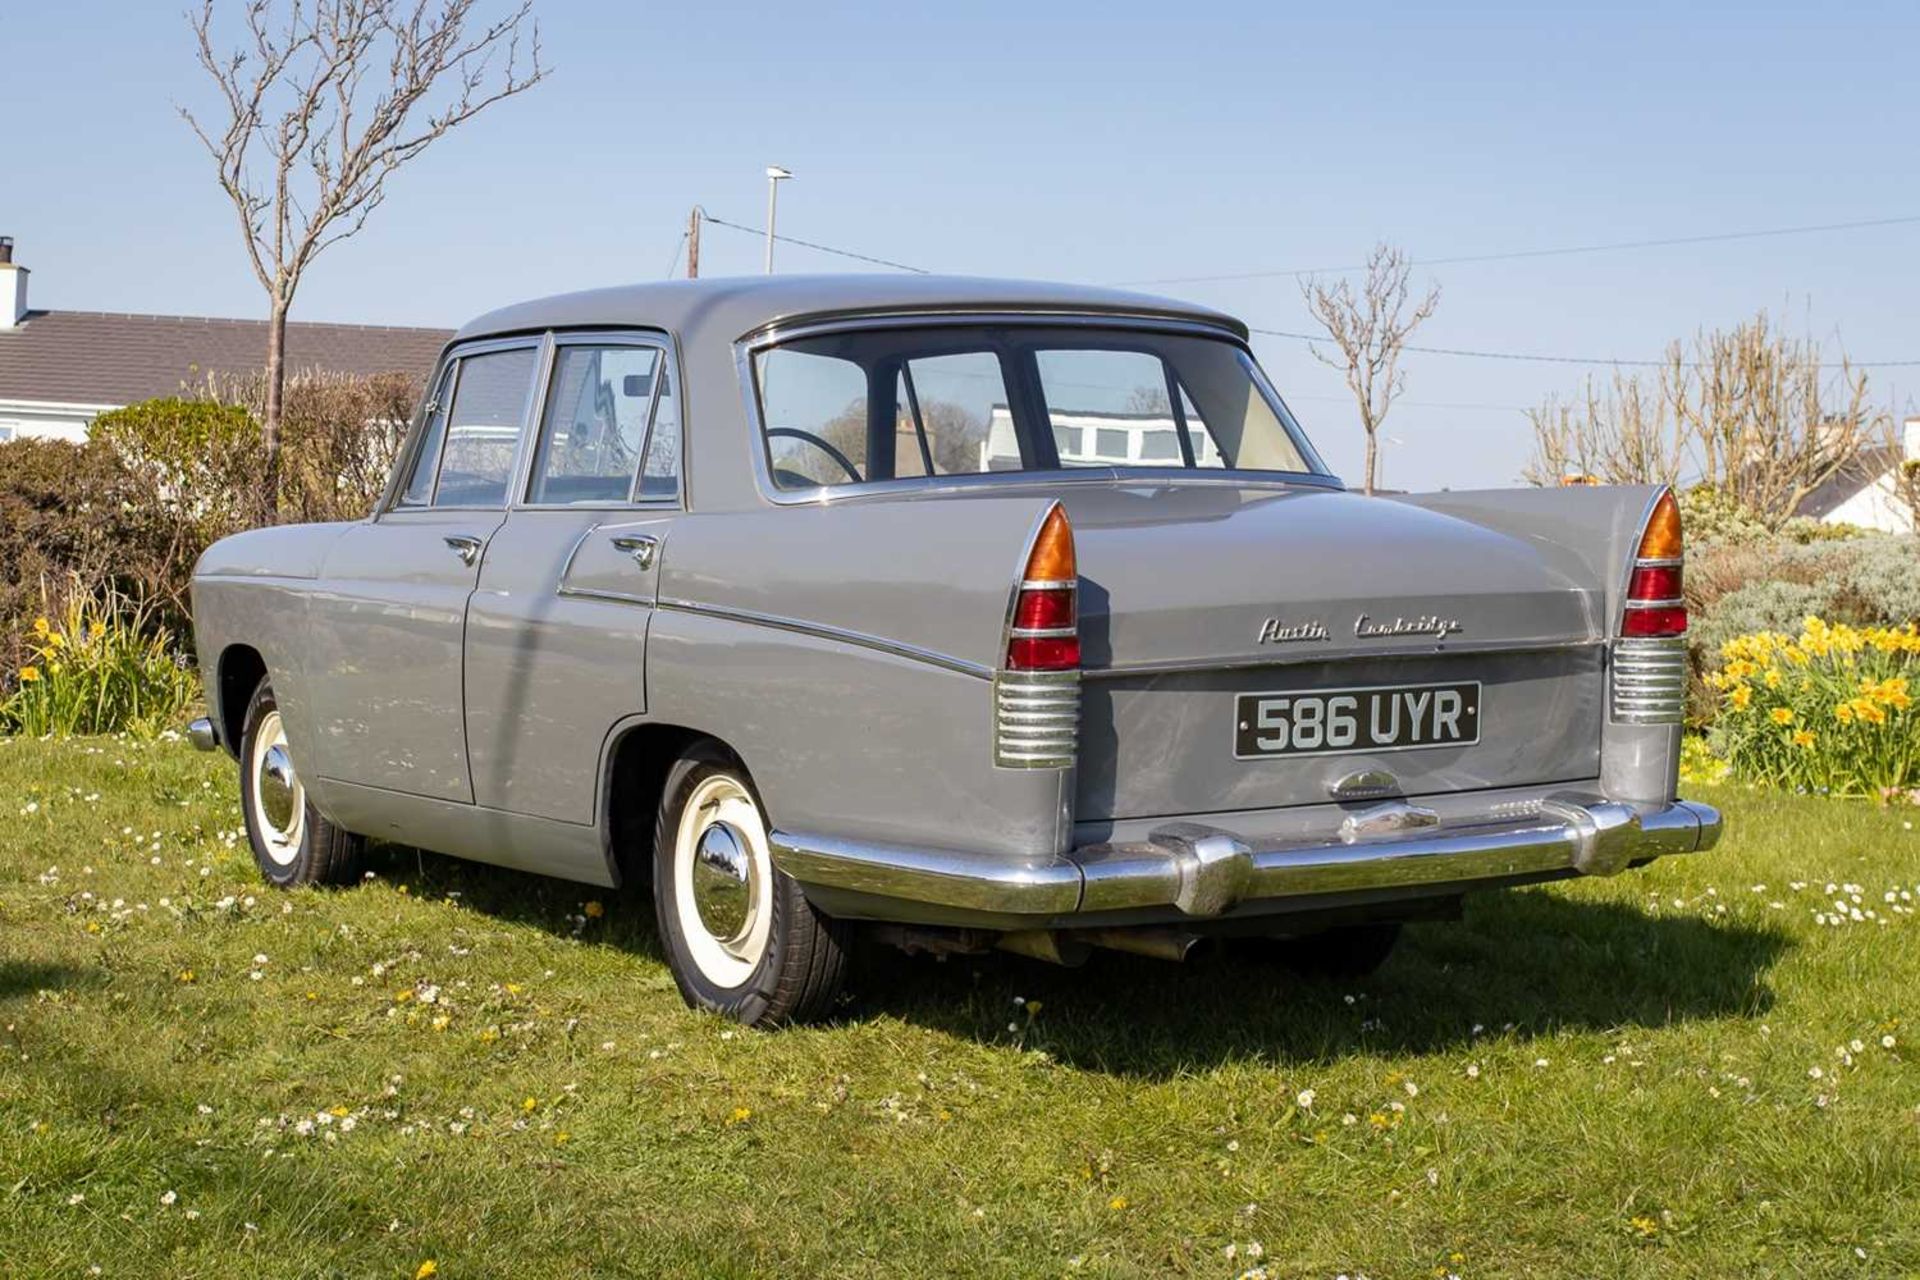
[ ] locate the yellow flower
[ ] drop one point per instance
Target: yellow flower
(1644, 1227)
(426, 1269)
(1740, 696)
(739, 1115)
(1802, 738)
(1844, 713)
(594, 910)
(529, 1104)
(40, 626)
(1773, 677)
(1782, 715)
(1870, 711)
(29, 674)
(1117, 1204)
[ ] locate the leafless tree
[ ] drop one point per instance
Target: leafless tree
(1369, 329)
(320, 104)
(1750, 411)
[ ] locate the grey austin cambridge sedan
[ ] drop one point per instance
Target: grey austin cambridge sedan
(970, 614)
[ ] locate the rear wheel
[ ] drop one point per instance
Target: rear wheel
(740, 937)
(292, 843)
(1349, 951)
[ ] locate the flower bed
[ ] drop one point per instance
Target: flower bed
(1829, 710)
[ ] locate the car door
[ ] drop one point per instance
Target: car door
(557, 628)
(389, 614)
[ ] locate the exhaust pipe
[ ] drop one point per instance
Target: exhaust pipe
(1045, 944)
(1161, 944)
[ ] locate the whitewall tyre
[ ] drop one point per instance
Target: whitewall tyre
(292, 843)
(740, 937)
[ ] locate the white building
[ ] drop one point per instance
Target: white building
(1101, 439)
(61, 369)
(1868, 492)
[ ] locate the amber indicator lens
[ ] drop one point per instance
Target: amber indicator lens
(1052, 556)
(1661, 541)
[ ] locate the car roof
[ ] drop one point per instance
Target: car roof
(726, 309)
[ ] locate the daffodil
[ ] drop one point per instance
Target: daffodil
(1741, 696)
(29, 674)
(1803, 738)
(1782, 715)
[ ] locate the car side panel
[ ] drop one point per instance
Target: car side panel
(851, 740)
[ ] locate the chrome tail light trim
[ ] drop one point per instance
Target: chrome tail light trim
(1649, 680)
(1036, 719)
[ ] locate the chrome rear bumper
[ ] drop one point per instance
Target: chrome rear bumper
(1201, 872)
(202, 735)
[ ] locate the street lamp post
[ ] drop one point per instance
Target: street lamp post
(774, 176)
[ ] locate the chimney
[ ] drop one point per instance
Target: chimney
(13, 287)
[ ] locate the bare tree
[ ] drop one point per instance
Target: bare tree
(319, 105)
(1370, 330)
(1750, 411)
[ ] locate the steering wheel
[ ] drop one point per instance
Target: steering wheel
(853, 472)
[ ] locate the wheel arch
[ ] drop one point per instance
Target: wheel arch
(238, 673)
(633, 774)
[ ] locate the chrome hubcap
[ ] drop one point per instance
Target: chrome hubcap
(276, 787)
(279, 798)
(723, 883)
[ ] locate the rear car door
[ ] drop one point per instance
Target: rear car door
(389, 615)
(557, 629)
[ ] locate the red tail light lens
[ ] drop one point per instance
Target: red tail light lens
(1655, 602)
(1044, 609)
(1044, 635)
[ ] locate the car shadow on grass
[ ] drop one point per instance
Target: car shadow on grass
(1535, 961)
(27, 978)
(523, 897)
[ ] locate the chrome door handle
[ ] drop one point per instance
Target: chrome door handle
(639, 546)
(464, 545)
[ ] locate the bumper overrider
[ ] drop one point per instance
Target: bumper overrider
(1191, 871)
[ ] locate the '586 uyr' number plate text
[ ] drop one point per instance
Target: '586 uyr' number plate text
(1387, 718)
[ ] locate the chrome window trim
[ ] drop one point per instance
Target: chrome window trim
(778, 333)
(660, 340)
(449, 381)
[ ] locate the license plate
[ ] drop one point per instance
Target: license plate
(1340, 721)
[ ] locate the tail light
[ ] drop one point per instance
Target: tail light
(1650, 657)
(1655, 604)
(1036, 694)
(1045, 633)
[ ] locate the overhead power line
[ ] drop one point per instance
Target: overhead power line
(823, 248)
(1563, 251)
(1534, 358)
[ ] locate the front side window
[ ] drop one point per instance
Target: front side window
(483, 428)
(897, 403)
(600, 402)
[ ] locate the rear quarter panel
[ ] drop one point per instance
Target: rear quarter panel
(845, 652)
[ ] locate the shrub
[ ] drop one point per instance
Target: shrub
(1828, 710)
(71, 511)
(100, 666)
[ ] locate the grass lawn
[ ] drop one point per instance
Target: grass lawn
(1696, 1069)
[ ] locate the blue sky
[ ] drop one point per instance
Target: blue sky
(1096, 142)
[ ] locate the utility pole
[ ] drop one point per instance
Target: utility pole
(775, 174)
(693, 243)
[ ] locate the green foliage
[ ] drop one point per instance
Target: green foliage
(1713, 517)
(198, 461)
(99, 665)
(1827, 710)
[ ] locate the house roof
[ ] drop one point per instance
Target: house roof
(725, 309)
(1860, 471)
(105, 358)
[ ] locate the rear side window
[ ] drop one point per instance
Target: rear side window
(599, 405)
(900, 403)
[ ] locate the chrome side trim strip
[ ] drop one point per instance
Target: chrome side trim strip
(1201, 871)
(1648, 683)
(822, 631)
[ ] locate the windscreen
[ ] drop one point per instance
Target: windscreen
(956, 400)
